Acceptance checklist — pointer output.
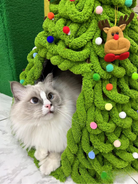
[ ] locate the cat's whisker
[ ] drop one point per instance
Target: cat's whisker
(69, 116)
(64, 115)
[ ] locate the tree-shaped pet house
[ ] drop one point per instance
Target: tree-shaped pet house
(99, 40)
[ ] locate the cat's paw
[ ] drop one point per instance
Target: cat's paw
(49, 165)
(40, 154)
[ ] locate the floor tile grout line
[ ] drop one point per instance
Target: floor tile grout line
(132, 178)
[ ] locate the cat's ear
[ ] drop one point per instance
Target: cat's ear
(49, 78)
(18, 90)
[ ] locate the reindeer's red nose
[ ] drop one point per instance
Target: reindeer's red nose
(116, 37)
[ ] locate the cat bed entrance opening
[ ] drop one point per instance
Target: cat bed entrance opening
(48, 67)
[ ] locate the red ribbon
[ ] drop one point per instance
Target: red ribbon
(113, 57)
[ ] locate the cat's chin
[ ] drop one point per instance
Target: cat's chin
(48, 116)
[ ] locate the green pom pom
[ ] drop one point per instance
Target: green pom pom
(104, 175)
(21, 81)
(134, 76)
(128, 3)
(96, 76)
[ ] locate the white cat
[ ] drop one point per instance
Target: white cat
(41, 116)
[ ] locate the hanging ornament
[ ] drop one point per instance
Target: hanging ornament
(50, 39)
(122, 115)
(96, 76)
(99, 10)
(109, 87)
(51, 15)
(115, 39)
(117, 143)
(128, 3)
(109, 68)
(98, 41)
(135, 76)
(66, 30)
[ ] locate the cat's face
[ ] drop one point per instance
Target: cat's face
(40, 101)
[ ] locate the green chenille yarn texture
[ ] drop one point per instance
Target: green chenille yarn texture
(72, 53)
(20, 21)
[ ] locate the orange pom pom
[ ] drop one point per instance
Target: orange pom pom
(50, 15)
(109, 87)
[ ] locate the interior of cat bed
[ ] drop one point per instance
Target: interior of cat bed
(48, 67)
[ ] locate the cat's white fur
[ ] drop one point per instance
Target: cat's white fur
(47, 136)
(45, 102)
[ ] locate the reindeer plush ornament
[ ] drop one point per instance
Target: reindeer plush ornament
(116, 46)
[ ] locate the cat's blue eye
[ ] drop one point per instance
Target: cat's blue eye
(34, 100)
(50, 96)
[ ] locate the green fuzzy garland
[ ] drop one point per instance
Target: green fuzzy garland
(71, 53)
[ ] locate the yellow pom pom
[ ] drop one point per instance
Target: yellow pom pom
(108, 106)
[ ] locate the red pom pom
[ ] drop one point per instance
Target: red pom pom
(66, 29)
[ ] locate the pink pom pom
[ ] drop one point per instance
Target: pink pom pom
(93, 125)
(99, 10)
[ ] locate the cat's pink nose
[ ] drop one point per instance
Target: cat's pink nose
(48, 106)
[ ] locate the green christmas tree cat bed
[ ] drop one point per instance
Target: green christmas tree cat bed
(97, 39)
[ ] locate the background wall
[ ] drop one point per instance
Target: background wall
(20, 22)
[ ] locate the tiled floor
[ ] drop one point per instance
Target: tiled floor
(15, 165)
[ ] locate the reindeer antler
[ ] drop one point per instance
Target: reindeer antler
(102, 24)
(123, 20)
